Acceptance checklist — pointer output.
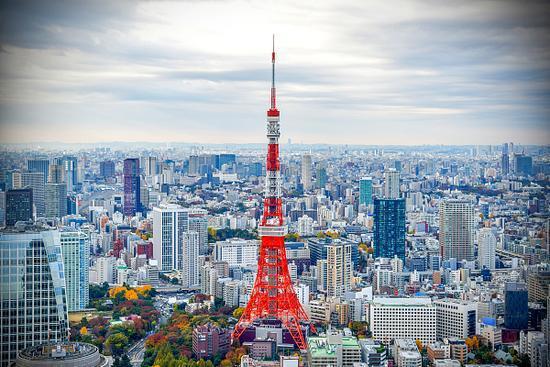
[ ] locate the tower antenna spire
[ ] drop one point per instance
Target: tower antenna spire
(273, 91)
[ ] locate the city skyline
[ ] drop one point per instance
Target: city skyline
(409, 73)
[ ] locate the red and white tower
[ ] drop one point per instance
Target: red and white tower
(273, 295)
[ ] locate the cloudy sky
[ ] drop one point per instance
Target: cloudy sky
(351, 72)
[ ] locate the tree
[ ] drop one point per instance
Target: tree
(238, 312)
(83, 330)
(117, 342)
(125, 361)
(419, 345)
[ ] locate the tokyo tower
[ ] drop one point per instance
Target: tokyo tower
(273, 296)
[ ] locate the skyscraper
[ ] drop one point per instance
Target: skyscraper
(505, 160)
(56, 173)
(18, 206)
(39, 165)
(170, 222)
(198, 222)
(151, 166)
(306, 171)
(107, 169)
(33, 307)
(389, 228)
(189, 260)
(486, 247)
(75, 247)
(456, 230)
(70, 168)
(339, 268)
(131, 186)
(365, 191)
(516, 308)
(523, 165)
(35, 181)
(391, 183)
(321, 176)
(55, 200)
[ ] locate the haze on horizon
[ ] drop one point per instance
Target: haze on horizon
(348, 72)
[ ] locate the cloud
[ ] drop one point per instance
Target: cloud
(390, 73)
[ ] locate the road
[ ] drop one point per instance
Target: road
(137, 351)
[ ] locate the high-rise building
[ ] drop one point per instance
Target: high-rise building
(198, 222)
(70, 168)
(35, 181)
(516, 308)
(107, 169)
(486, 248)
(455, 318)
(131, 187)
(456, 230)
(2, 208)
(189, 260)
(339, 268)
(403, 318)
(55, 200)
(226, 159)
(75, 247)
(18, 206)
(523, 165)
(39, 165)
(322, 177)
(306, 171)
(391, 183)
(505, 160)
(33, 308)
(389, 228)
(56, 174)
(237, 252)
(151, 166)
(170, 222)
(365, 191)
(538, 284)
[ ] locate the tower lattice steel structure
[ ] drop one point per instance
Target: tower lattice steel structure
(273, 295)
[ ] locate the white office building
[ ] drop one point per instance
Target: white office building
(237, 252)
(170, 222)
(455, 318)
(403, 318)
(486, 248)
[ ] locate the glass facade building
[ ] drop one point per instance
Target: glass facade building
(33, 306)
(131, 186)
(75, 246)
(389, 228)
(365, 191)
(516, 309)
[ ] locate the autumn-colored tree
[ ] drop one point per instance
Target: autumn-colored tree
(238, 312)
(419, 345)
(83, 330)
(116, 290)
(131, 294)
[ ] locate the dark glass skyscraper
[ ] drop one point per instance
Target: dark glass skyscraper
(39, 165)
(131, 186)
(107, 169)
(516, 309)
(18, 206)
(389, 228)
